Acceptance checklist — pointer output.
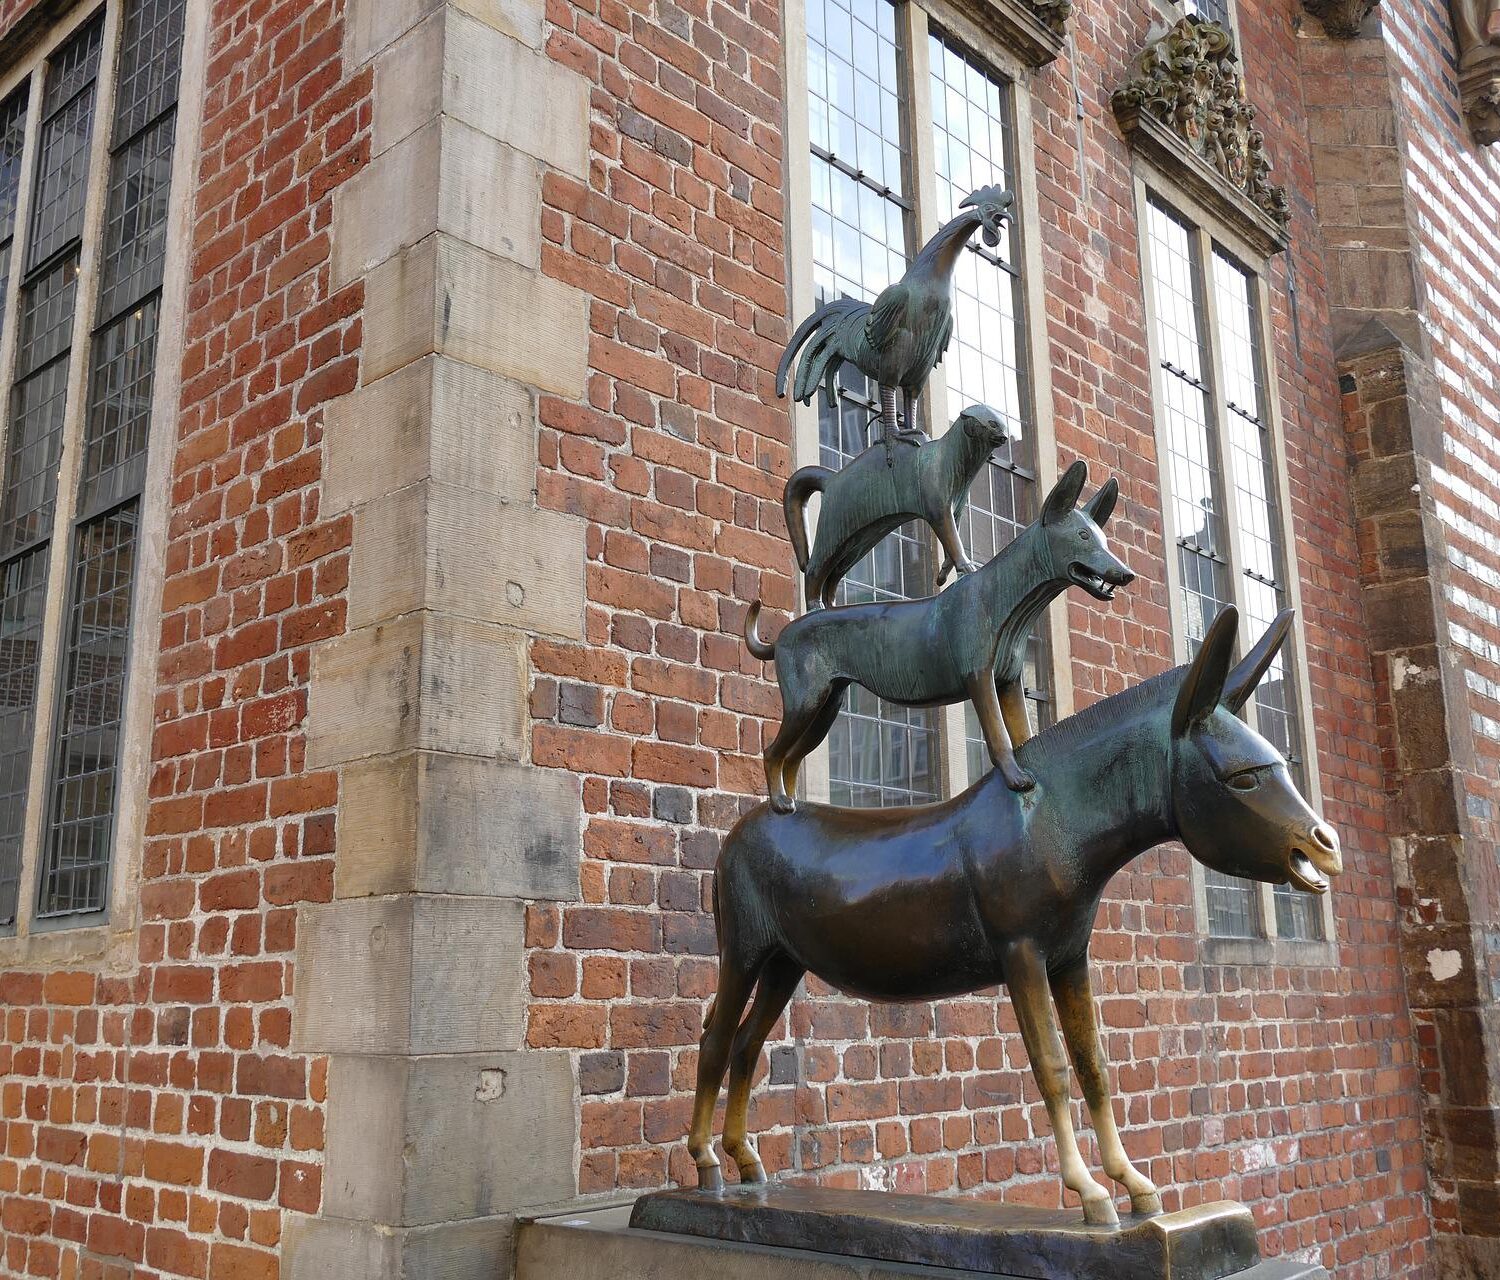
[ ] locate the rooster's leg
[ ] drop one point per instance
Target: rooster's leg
(911, 426)
(889, 422)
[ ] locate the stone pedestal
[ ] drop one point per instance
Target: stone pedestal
(859, 1233)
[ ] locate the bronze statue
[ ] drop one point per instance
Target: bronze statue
(899, 338)
(997, 887)
(967, 642)
(867, 498)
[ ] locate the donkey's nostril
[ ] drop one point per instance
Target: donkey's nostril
(1325, 837)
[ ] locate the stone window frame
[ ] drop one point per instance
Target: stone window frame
(915, 21)
(28, 940)
(1212, 230)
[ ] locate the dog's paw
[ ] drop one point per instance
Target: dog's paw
(1016, 778)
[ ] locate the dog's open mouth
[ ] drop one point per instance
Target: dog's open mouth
(1306, 876)
(1094, 583)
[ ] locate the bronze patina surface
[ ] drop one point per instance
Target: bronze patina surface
(898, 339)
(1208, 1242)
(968, 642)
(881, 490)
(1001, 887)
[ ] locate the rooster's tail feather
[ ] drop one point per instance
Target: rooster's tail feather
(820, 327)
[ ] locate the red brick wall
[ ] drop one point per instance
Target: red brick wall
(1292, 1089)
(1453, 195)
(154, 1116)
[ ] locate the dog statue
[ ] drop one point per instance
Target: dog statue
(869, 497)
(969, 641)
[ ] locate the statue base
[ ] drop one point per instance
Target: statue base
(808, 1233)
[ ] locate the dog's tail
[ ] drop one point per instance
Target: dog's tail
(805, 482)
(762, 649)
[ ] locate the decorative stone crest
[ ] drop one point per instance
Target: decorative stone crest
(1341, 19)
(1053, 14)
(1476, 28)
(1189, 81)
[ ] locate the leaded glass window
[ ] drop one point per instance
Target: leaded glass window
(865, 215)
(1219, 479)
(83, 367)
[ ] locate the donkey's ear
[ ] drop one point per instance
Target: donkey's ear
(1203, 685)
(1243, 679)
(1102, 504)
(1064, 495)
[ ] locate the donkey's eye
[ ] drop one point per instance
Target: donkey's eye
(1245, 781)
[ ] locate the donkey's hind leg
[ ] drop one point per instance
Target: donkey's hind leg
(778, 980)
(735, 983)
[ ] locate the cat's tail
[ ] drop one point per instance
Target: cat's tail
(763, 649)
(805, 482)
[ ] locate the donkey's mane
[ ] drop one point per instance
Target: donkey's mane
(1105, 714)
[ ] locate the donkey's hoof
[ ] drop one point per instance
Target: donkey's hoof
(1147, 1204)
(710, 1177)
(1100, 1212)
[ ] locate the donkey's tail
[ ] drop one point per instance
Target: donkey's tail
(762, 649)
(805, 482)
(719, 943)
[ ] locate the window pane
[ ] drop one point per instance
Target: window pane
(972, 143)
(119, 412)
(76, 857)
(1233, 906)
(22, 587)
(150, 59)
(36, 421)
(62, 161)
(47, 305)
(136, 222)
(12, 137)
(878, 753)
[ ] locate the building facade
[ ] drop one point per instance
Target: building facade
(389, 455)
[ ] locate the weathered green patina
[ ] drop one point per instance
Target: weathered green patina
(998, 886)
(967, 642)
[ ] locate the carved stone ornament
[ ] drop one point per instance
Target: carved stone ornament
(1034, 29)
(1341, 19)
(1476, 27)
(1185, 102)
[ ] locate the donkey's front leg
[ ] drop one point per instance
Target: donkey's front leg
(981, 687)
(1075, 1004)
(1026, 976)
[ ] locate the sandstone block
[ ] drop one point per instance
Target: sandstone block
(453, 1137)
(460, 551)
(444, 296)
(424, 822)
(420, 681)
(382, 975)
(432, 419)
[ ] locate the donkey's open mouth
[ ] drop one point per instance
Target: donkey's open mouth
(1096, 584)
(1306, 876)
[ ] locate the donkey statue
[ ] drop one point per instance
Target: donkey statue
(998, 886)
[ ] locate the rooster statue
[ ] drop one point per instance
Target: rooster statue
(898, 339)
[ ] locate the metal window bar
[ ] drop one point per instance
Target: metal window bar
(858, 70)
(1197, 500)
(33, 438)
(974, 145)
(85, 758)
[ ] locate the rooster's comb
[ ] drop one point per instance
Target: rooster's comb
(987, 196)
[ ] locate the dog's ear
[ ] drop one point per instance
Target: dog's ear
(1064, 496)
(1102, 504)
